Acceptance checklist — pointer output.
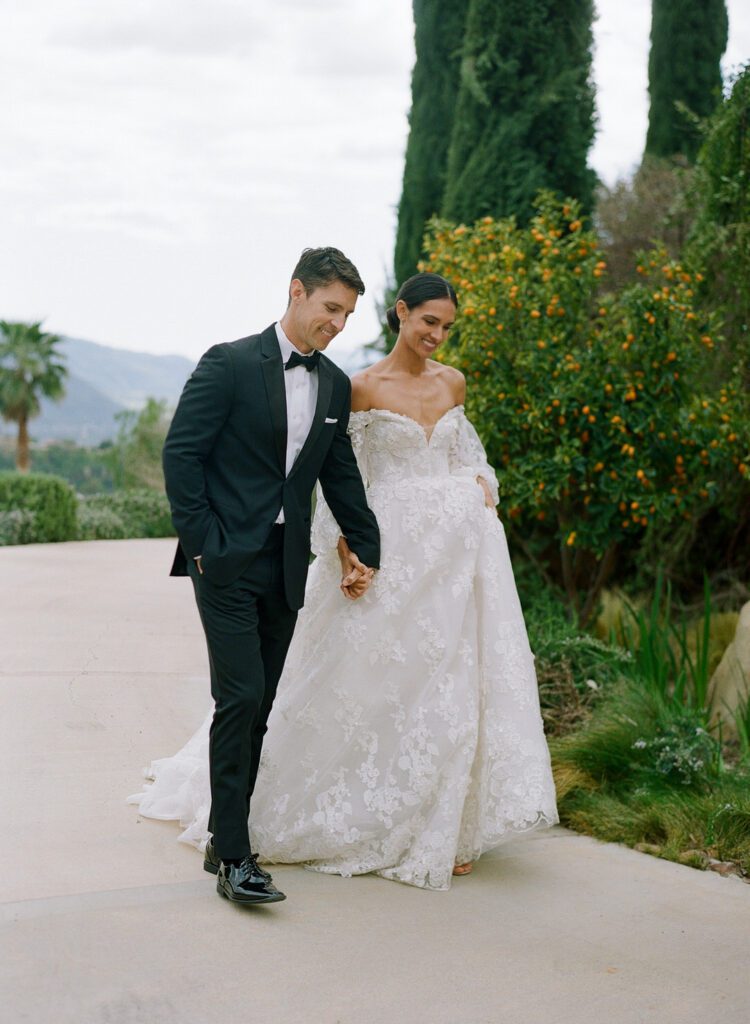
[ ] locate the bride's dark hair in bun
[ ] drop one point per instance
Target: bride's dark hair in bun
(417, 290)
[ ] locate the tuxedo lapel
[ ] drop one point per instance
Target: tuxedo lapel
(273, 377)
(325, 388)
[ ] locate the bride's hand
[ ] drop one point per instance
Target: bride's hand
(488, 499)
(355, 576)
(356, 588)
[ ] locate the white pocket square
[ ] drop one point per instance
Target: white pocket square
(328, 420)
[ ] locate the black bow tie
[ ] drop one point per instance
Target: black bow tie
(309, 362)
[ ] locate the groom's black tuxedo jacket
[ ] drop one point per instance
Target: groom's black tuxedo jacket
(225, 465)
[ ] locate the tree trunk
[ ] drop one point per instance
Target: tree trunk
(23, 462)
(569, 580)
(606, 566)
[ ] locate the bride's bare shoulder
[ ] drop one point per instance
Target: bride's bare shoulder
(362, 390)
(454, 380)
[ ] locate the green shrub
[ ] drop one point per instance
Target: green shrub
(50, 504)
(13, 526)
(639, 739)
(683, 753)
(574, 669)
(136, 513)
(603, 417)
(99, 523)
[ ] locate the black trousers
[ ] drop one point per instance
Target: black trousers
(248, 627)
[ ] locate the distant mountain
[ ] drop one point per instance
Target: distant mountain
(85, 416)
(127, 378)
(101, 382)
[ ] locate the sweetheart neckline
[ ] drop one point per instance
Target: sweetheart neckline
(403, 416)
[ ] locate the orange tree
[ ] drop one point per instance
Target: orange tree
(592, 410)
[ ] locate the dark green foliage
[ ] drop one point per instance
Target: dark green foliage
(720, 240)
(574, 670)
(524, 116)
(674, 663)
(134, 460)
(717, 540)
(50, 504)
(684, 753)
(136, 513)
(84, 468)
(645, 767)
(688, 38)
(31, 367)
(604, 749)
(15, 525)
(438, 34)
(635, 739)
(97, 521)
(649, 774)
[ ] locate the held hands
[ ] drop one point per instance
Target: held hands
(355, 576)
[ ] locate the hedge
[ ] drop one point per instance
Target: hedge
(36, 508)
(130, 513)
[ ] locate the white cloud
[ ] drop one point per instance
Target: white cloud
(167, 27)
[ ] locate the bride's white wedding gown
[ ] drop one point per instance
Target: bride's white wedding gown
(406, 735)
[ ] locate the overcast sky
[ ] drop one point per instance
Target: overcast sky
(165, 161)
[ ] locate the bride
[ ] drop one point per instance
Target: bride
(406, 737)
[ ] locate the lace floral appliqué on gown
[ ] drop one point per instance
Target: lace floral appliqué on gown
(406, 735)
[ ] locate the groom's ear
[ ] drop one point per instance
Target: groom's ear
(296, 289)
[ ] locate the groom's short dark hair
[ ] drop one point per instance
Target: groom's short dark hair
(318, 267)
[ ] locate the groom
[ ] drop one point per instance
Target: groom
(259, 421)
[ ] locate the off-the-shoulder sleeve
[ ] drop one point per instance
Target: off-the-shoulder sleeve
(468, 457)
(325, 530)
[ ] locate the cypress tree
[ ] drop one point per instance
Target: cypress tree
(438, 33)
(688, 38)
(720, 240)
(525, 111)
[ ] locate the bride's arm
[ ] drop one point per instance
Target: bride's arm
(468, 455)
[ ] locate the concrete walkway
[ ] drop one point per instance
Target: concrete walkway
(106, 919)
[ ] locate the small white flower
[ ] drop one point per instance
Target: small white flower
(592, 684)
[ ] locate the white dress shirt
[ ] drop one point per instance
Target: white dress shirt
(301, 386)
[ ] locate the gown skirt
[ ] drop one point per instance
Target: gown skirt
(406, 736)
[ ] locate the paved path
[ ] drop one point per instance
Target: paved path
(106, 919)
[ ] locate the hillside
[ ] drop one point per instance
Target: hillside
(102, 381)
(127, 378)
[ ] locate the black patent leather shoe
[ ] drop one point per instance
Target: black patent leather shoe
(243, 883)
(211, 861)
(210, 858)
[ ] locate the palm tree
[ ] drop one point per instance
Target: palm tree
(30, 367)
